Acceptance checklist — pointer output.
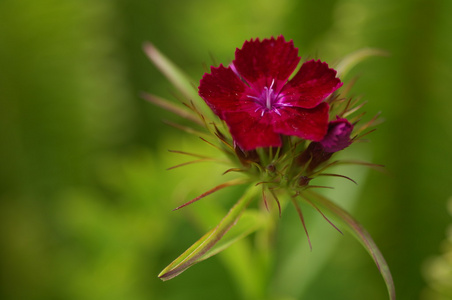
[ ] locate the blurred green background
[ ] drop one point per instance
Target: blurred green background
(85, 201)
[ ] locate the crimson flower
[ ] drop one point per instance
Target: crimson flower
(258, 102)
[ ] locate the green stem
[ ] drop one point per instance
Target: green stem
(239, 259)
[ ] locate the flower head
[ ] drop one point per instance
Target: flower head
(258, 102)
(256, 99)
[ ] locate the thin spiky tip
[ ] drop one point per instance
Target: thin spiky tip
(213, 190)
(300, 215)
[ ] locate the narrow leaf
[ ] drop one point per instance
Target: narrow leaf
(300, 214)
(192, 162)
(358, 231)
(377, 167)
(249, 222)
(211, 191)
(171, 71)
(264, 198)
(356, 57)
(185, 128)
(232, 170)
(200, 250)
(188, 153)
(322, 214)
(277, 201)
(337, 175)
(171, 107)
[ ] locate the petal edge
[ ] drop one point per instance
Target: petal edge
(262, 61)
(221, 90)
(311, 85)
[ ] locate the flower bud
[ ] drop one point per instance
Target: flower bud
(336, 139)
(338, 135)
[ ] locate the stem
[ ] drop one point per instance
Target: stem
(240, 260)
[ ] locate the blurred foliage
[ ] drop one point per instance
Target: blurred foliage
(85, 201)
(438, 270)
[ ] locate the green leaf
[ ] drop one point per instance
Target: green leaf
(171, 107)
(358, 231)
(217, 239)
(249, 222)
(351, 60)
(171, 71)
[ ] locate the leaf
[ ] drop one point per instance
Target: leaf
(356, 57)
(213, 190)
(243, 260)
(210, 244)
(358, 231)
(171, 71)
(249, 222)
(171, 107)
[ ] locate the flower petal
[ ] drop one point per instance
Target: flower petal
(223, 91)
(311, 85)
(310, 124)
(259, 62)
(251, 130)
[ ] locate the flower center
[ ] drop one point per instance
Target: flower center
(267, 99)
(268, 96)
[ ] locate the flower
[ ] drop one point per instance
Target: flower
(258, 102)
(338, 135)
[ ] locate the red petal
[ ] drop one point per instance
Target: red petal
(251, 131)
(311, 85)
(223, 91)
(266, 60)
(310, 124)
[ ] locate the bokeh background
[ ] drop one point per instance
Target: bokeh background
(85, 200)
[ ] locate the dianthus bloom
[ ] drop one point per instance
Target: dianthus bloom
(258, 102)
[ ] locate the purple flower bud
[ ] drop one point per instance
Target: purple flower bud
(338, 135)
(336, 139)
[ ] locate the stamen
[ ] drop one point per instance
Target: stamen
(285, 104)
(271, 85)
(268, 100)
(279, 97)
(263, 111)
(269, 95)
